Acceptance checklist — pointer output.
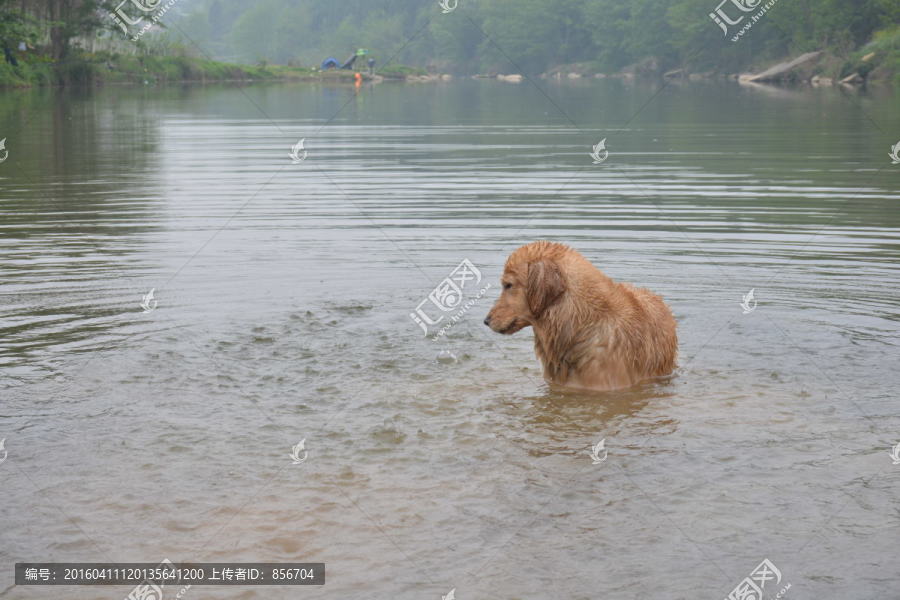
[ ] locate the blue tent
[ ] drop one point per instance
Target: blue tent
(330, 63)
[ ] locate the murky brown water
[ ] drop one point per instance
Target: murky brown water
(284, 292)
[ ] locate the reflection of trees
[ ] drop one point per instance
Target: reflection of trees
(63, 141)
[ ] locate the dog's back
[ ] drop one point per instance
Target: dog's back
(627, 334)
(651, 333)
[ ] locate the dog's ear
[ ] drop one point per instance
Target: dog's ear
(545, 286)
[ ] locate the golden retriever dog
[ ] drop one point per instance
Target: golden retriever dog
(589, 331)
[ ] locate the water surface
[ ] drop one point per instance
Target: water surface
(284, 293)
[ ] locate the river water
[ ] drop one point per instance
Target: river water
(281, 313)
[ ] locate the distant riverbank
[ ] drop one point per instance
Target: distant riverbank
(875, 62)
(106, 68)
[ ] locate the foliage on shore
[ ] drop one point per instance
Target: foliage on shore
(110, 68)
(638, 37)
(87, 69)
(534, 36)
(879, 60)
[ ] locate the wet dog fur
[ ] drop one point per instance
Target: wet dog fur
(590, 332)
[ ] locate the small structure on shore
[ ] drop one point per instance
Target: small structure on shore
(360, 52)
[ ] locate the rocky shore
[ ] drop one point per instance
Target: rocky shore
(875, 63)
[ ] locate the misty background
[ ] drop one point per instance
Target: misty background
(532, 35)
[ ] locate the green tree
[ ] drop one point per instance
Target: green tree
(15, 26)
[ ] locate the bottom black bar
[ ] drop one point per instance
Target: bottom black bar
(167, 573)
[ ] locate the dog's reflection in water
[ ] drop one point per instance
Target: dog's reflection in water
(566, 421)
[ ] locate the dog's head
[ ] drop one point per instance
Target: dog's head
(532, 282)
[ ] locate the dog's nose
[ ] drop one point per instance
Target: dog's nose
(487, 320)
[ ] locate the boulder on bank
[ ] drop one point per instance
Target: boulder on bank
(649, 67)
(423, 78)
(786, 71)
(570, 71)
(853, 79)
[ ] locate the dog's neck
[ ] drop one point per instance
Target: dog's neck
(561, 344)
(557, 342)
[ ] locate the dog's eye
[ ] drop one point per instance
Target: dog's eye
(506, 286)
